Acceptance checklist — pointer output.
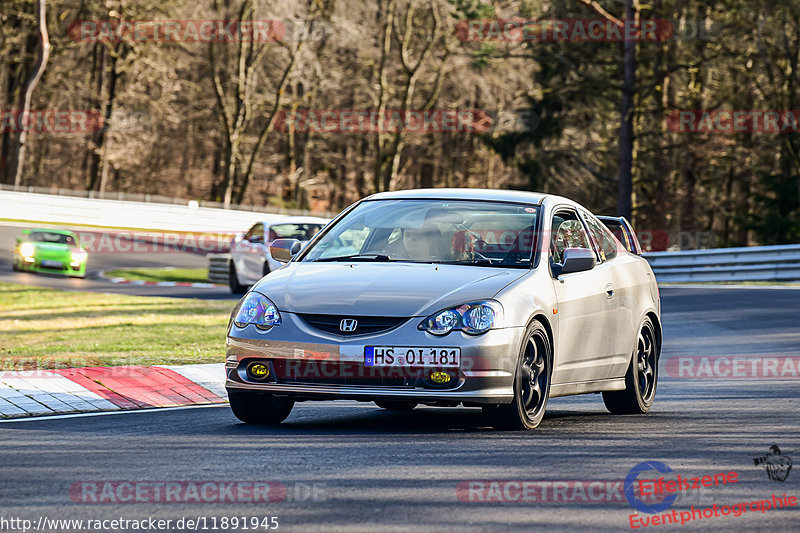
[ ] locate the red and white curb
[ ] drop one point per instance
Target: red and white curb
(78, 390)
(164, 283)
(196, 285)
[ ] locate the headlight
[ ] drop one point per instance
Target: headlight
(79, 256)
(27, 249)
(472, 318)
(258, 310)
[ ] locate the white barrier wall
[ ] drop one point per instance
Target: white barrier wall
(121, 214)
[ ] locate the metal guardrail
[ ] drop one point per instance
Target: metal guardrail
(218, 265)
(756, 263)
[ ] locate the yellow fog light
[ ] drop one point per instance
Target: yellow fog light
(258, 370)
(440, 377)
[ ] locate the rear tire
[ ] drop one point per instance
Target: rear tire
(259, 407)
(641, 378)
(531, 383)
(233, 281)
(396, 406)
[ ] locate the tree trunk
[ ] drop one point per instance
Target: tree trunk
(105, 137)
(625, 184)
(30, 86)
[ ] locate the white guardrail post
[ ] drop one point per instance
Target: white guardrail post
(755, 263)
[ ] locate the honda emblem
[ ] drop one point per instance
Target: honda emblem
(348, 325)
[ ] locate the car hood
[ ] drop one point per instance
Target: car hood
(52, 247)
(381, 289)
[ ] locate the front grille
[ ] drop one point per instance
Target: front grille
(365, 324)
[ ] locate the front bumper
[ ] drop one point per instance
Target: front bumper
(308, 364)
(35, 264)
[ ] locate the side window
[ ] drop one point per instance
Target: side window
(566, 231)
(256, 234)
(604, 239)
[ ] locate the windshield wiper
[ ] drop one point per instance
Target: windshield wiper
(357, 257)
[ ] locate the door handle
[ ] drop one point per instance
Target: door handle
(609, 291)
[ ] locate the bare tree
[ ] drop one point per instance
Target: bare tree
(30, 86)
(627, 108)
(236, 111)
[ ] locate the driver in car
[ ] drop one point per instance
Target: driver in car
(422, 243)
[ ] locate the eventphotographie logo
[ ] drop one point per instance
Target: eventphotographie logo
(646, 506)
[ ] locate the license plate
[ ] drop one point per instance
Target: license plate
(52, 264)
(412, 356)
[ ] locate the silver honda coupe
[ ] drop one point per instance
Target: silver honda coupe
(444, 297)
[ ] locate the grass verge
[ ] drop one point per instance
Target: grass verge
(193, 275)
(45, 328)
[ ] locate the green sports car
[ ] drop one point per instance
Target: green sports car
(50, 250)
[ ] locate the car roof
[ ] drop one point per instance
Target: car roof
(499, 195)
(295, 220)
(57, 231)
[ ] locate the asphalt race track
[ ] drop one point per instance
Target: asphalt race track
(351, 467)
(102, 262)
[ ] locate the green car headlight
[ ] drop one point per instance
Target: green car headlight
(27, 249)
(258, 310)
(79, 256)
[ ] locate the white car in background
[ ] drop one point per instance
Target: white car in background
(250, 257)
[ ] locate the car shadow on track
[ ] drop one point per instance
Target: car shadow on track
(422, 421)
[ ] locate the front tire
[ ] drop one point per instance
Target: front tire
(641, 378)
(396, 406)
(233, 281)
(259, 408)
(531, 383)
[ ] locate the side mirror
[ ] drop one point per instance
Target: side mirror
(577, 260)
(282, 250)
(19, 240)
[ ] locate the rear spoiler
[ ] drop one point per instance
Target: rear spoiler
(624, 233)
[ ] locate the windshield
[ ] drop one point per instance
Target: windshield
(301, 232)
(432, 231)
(46, 236)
